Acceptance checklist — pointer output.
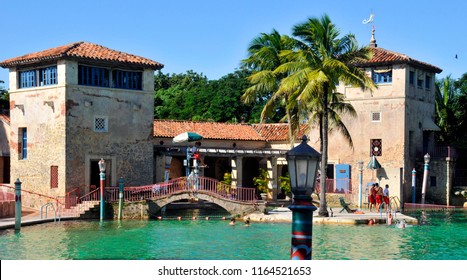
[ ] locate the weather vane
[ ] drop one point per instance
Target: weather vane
(369, 20)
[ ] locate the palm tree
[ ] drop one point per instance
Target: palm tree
(265, 55)
(445, 115)
(321, 61)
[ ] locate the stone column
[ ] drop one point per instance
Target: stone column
(272, 175)
(237, 165)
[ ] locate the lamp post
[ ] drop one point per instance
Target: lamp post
(360, 183)
(102, 181)
(120, 198)
(414, 179)
(17, 205)
(302, 162)
(426, 158)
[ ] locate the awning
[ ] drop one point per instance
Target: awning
(429, 125)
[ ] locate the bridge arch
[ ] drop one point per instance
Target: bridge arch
(235, 208)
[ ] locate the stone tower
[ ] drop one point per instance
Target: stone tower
(72, 105)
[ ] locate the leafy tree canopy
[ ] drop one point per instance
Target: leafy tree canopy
(4, 97)
(451, 109)
(191, 96)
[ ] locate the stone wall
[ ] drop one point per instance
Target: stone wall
(7, 209)
(42, 112)
(441, 192)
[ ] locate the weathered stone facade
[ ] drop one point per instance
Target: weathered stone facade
(400, 114)
(72, 124)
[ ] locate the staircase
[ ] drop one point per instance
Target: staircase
(79, 210)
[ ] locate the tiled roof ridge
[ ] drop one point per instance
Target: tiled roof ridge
(208, 129)
(189, 121)
(394, 57)
(83, 50)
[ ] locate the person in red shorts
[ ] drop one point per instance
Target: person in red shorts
(379, 195)
(386, 195)
(372, 197)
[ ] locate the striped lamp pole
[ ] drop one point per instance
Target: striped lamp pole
(102, 182)
(302, 162)
(120, 198)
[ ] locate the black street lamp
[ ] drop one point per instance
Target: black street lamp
(303, 163)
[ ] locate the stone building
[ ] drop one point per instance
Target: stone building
(75, 104)
(395, 124)
(72, 105)
(238, 149)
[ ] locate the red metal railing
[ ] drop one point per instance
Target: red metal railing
(31, 199)
(6, 193)
(179, 185)
(71, 198)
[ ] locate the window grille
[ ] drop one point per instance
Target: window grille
(27, 79)
(127, 79)
(383, 76)
(53, 177)
(93, 76)
(376, 116)
(100, 124)
(48, 76)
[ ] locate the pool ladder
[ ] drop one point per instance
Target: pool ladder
(46, 208)
(392, 201)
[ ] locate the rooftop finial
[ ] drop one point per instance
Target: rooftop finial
(373, 40)
(370, 20)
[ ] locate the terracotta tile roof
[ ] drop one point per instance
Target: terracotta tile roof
(5, 118)
(225, 131)
(277, 131)
(81, 51)
(209, 130)
(384, 57)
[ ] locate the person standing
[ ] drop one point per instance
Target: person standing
(379, 195)
(372, 197)
(386, 195)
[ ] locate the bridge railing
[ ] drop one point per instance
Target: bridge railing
(201, 184)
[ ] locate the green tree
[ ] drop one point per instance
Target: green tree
(321, 61)
(4, 97)
(445, 114)
(460, 112)
(191, 96)
(265, 56)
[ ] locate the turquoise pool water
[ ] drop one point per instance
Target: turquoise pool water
(440, 236)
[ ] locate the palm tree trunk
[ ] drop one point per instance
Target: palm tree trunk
(323, 207)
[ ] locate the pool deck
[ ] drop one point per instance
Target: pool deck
(283, 214)
(280, 214)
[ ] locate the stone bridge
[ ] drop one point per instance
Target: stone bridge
(235, 208)
(148, 200)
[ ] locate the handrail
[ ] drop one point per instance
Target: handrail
(180, 185)
(46, 207)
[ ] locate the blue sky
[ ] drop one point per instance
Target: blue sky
(211, 36)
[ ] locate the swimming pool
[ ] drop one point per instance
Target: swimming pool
(440, 236)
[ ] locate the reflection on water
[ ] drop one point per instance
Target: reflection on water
(441, 237)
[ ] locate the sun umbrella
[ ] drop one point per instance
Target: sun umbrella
(373, 164)
(187, 137)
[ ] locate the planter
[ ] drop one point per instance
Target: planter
(263, 196)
